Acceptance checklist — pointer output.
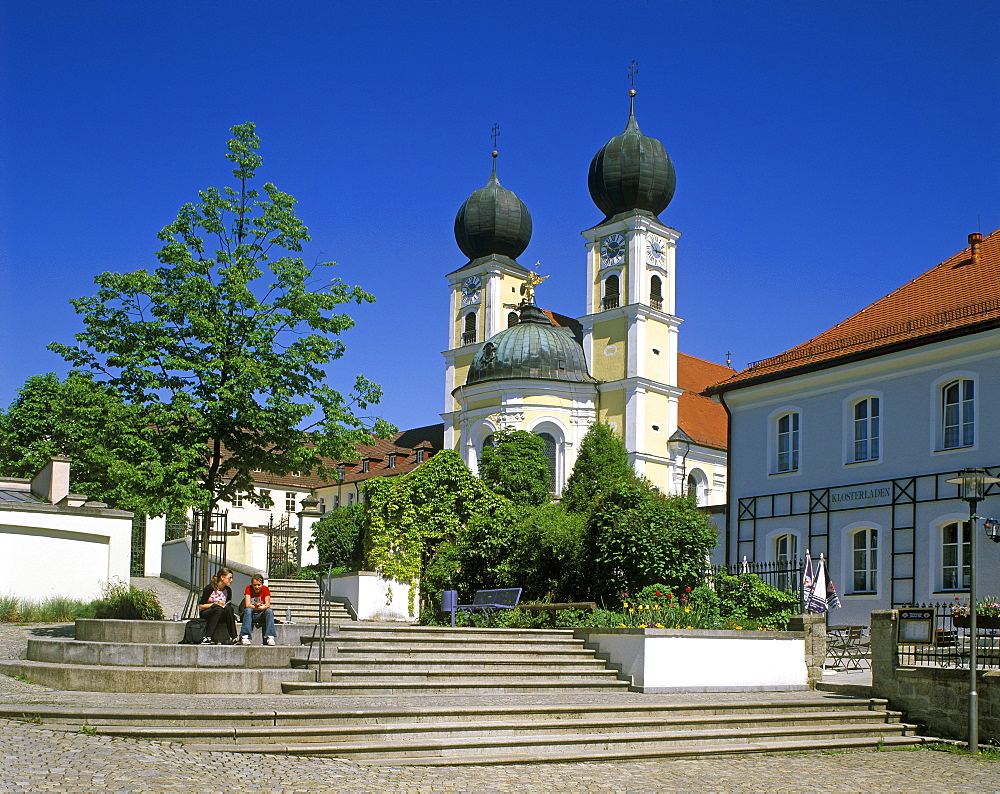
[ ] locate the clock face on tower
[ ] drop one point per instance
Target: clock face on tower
(655, 251)
(613, 250)
(470, 290)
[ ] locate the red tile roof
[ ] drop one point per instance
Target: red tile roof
(702, 419)
(957, 297)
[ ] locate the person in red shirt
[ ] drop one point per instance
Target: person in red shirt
(257, 610)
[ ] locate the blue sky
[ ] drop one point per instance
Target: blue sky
(826, 153)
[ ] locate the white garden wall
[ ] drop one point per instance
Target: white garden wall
(689, 660)
(373, 597)
(50, 550)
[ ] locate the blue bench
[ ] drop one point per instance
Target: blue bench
(489, 601)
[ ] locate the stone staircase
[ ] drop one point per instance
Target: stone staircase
(397, 694)
(386, 660)
(302, 597)
(618, 728)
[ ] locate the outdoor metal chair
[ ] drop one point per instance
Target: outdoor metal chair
(848, 648)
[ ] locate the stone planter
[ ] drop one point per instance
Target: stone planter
(375, 598)
(694, 660)
(982, 622)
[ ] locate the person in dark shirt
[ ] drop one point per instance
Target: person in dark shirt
(217, 604)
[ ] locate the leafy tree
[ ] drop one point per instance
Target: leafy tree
(639, 537)
(114, 452)
(515, 466)
(602, 462)
(338, 537)
(223, 347)
(407, 518)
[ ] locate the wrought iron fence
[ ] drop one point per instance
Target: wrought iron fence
(137, 561)
(952, 640)
(282, 549)
(783, 574)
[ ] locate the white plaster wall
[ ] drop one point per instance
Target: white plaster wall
(373, 597)
(156, 534)
(662, 660)
(54, 551)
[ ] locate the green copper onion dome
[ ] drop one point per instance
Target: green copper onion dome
(534, 348)
(493, 220)
(632, 172)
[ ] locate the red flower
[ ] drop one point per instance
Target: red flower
(687, 589)
(670, 595)
(657, 592)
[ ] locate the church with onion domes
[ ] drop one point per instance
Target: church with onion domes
(512, 363)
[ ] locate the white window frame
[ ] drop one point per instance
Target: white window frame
(291, 502)
(775, 541)
(866, 430)
(868, 558)
(938, 413)
(774, 442)
(964, 551)
(265, 492)
(237, 500)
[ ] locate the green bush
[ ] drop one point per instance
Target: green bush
(602, 463)
(548, 556)
(748, 602)
(337, 536)
(122, 601)
(441, 573)
(515, 466)
(637, 537)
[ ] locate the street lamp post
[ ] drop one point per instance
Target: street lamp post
(972, 488)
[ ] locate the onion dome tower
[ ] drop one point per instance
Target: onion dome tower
(493, 220)
(632, 172)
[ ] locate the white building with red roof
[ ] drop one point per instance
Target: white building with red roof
(843, 444)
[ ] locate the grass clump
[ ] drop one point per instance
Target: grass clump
(122, 601)
(50, 610)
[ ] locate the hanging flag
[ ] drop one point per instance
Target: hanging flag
(832, 599)
(817, 598)
(807, 580)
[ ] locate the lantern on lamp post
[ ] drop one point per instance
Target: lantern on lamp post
(972, 484)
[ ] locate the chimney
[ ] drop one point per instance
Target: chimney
(52, 482)
(974, 240)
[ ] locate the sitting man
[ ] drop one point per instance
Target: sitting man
(257, 610)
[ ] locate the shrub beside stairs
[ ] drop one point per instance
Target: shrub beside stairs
(438, 696)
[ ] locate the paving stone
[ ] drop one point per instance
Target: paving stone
(38, 758)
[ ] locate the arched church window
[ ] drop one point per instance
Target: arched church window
(511, 319)
(550, 457)
(656, 292)
(488, 441)
(611, 292)
(469, 335)
(692, 488)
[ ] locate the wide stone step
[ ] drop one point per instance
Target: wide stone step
(624, 752)
(380, 689)
(160, 680)
(563, 746)
(169, 632)
(442, 645)
(475, 675)
(298, 734)
(374, 655)
(117, 654)
(338, 664)
(629, 707)
(428, 633)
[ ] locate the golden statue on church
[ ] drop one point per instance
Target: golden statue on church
(528, 287)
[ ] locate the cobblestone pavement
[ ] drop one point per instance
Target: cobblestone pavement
(35, 758)
(38, 758)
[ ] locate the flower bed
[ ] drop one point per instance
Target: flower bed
(693, 660)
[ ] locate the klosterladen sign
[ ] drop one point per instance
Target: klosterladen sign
(872, 495)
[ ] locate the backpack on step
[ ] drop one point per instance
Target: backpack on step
(194, 631)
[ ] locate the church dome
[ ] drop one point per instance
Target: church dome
(632, 172)
(493, 220)
(534, 348)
